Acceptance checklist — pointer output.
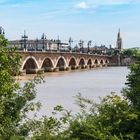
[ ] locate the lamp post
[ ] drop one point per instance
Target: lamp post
(81, 42)
(43, 38)
(36, 46)
(70, 42)
(24, 39)
(58, 44)
(89, 44)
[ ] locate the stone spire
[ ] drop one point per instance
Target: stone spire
(119, 41)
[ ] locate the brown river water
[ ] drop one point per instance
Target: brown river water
(60, 88)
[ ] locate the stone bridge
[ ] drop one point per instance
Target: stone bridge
(33, 62)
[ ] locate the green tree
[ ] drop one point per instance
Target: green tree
(15, 100)
(132, 92)
(131, 52)
(112, 119)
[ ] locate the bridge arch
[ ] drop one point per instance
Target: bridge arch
(96, 62)
(106, 61)
(47, 64)
(61, 62)
(89, 62)
(101, 62)
(82, 62)
(72, 63)
(30, 62)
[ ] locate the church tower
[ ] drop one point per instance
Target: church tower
(119, 42)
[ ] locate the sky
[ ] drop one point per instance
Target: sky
(96, 20)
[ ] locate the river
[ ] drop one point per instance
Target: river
(60, 88)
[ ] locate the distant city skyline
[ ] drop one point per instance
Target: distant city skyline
(96, 20)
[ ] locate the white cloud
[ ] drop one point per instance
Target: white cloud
(96, 3)
(82, 5)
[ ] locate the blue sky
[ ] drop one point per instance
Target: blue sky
(96, 20)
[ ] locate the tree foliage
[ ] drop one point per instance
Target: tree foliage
(132, 92)
(15, 101)
(131, 52)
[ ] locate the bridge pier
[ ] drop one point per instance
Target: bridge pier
(78, 67)
(97, 65)
(68, 68)
(94, 66)
(40, 71)
(48, 69)
(83, 66)
(74, 67)
(22, 72)
(88, 66)
(56, 69)
(101, 65)
(63, 68)
(32, 71)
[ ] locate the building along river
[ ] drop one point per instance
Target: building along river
(60, 88)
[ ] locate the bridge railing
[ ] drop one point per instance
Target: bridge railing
(62, 51)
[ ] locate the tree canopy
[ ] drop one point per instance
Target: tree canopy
(131, 52)
(15, 100)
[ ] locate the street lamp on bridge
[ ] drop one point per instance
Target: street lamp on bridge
(70, 42)
(58, 44)
(89, 44)
(24, 39)
(36, 46)
(43, 38)
(81, 43)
